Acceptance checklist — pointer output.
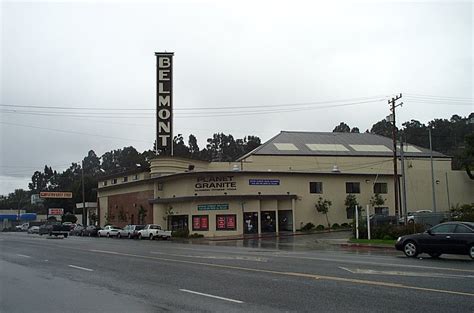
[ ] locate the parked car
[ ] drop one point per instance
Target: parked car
(108, 231)
(382, 219)
(152, 231)
(54, 228)
(69, 224)
(78, 230)
(411, 216)
(130, 231)
(91, 231)
(33, 230)
(445, 238)
(23, 227)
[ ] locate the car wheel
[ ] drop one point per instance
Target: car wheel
(471, 251)
(65, 235)
(129, 236)
(140, 236)
(89, 234)
(435, 255)
(98, 234)
(119, 236)
(151, 236)
(108, 235)
(410, 249)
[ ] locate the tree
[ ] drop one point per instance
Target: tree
(376, 200)
(342, 128)
(467, 158)
(193, 147)
(322, 206)
(355, 130)
(350, 203)
(68, 217)
(142, 214)
(382, 128)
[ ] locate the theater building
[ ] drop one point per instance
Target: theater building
(275, 188)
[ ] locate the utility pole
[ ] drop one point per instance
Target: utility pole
(404, 186)
(432, 173)
(394, 139)
(84, 218)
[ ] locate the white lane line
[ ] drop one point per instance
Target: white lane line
(210, 296)
(24, 256)
(399, 273)
(81, 268)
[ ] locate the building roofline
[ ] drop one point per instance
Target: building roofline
(223, 197)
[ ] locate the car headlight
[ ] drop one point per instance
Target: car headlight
(399, 238)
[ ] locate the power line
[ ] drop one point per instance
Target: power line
(193, 109)
(437, 96)
(72, 132)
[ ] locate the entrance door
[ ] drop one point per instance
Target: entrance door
(178, 222)
(285, 220)
(268, 221)
(250, 222)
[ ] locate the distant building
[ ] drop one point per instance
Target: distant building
(275, 187)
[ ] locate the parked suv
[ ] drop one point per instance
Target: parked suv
(130, 231)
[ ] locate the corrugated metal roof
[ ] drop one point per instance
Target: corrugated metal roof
(355, 144)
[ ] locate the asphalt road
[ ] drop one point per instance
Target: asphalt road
(39, 274)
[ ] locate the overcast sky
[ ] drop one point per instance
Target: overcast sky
(273, 56)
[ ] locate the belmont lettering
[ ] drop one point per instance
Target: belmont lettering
(164, 101)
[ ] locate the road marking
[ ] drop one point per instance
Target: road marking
(342, 260)
(216, 257)
(24, 256)
(81, 268)
(399, 273)
(294, 274)
(210, 296)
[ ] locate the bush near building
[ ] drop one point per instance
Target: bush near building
(388, 232)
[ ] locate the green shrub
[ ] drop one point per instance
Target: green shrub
(335, 226)
(320, 227)
(196, 235)
(387, 237)
(389, 231)
(345, 225)
(180, 233)
(308, 227)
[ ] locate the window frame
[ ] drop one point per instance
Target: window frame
(200, 216)
(226, 218)
(316, 184)
(383, 188)
(352, 189)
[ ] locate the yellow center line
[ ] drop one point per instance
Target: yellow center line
(293, 274)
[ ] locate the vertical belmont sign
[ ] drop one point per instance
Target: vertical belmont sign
(164, 102)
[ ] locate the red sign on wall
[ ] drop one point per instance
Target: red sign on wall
(231, 221)
(200, 222)
(204, 222)
(221, 222)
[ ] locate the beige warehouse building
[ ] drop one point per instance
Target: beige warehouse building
(275, 187)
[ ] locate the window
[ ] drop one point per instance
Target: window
(381, 210)
(125, 179)
(352, 187)
(444, 229)
(463, 229)
(200, 222)
(159, 186)
(104, 183)
(350, 212)
(315, 187)
(226, 222)
(380, 188)
(135, 177)
(114, 181)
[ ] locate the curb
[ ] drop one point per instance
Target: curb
(359, 245)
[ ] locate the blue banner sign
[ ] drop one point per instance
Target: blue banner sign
(213, 207)
(264, 182)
